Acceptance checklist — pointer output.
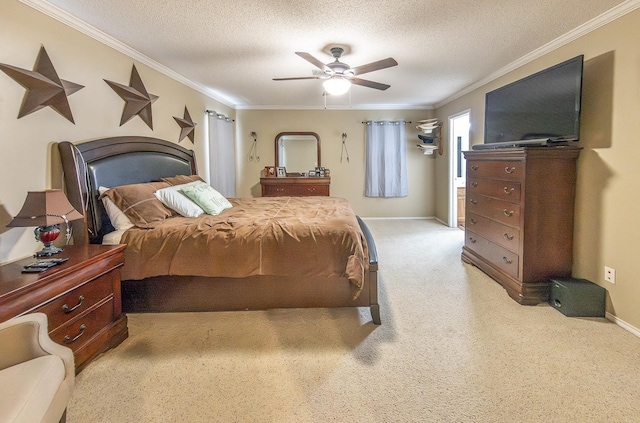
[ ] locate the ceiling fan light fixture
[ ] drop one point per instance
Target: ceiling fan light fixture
(336, 85)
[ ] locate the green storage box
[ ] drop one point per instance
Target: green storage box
(577, 297)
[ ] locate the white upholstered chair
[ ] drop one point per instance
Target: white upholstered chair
(37, 375)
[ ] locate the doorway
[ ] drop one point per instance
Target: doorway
(458, 142)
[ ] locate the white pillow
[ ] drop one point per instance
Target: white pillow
(175, 200)
(119, 220)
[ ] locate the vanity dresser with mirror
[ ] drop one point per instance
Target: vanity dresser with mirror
(297, 153)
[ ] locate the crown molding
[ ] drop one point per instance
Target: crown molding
(589, 26)
(83, 27)
(352, 107)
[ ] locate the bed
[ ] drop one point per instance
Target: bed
(256, 273)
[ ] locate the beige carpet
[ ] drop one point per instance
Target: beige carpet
(453, 347)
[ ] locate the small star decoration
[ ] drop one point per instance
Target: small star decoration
(44, 87)
(137, 100)
(187, 125)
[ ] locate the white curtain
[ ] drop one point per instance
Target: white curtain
(222, 154)
(386, 159)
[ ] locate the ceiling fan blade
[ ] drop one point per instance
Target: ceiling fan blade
(299, 77)
(374, 66)
(370, 84)
(309, 58)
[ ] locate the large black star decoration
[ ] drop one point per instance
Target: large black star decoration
(44, 87)
(137, 100)
(188, 127)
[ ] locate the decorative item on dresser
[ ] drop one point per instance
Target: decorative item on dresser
(519, 217)
(81, 298)
(46, 210)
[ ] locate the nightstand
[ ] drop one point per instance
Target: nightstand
(81, 298)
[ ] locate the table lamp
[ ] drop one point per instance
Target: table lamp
(46, 210)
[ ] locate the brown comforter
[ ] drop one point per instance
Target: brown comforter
(281, 236)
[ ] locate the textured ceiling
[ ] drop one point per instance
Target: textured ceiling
(234, 48)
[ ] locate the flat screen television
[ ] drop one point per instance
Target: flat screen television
(541, 109)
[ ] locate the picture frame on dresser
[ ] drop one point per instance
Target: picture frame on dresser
(281, 172)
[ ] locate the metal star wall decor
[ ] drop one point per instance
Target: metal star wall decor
(137, 100)
(44, 87)
(187, 125)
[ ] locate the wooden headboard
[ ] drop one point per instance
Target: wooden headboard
(111, 162)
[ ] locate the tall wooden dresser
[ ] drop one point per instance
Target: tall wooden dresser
(519, 217)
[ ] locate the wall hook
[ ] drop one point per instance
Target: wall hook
(253, 151)
(344, 147)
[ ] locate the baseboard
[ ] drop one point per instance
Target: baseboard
(442, 221)
(624, 325)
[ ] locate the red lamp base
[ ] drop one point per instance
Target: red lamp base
(46, 235)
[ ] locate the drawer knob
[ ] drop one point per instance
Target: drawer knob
(506, 260)
(507, 213)
(509, 169)
(473, 240)
(508, 237)
(70, 340)
(474, 167)
(66, 308)
(474, 202)
(473, 221)
(474, 184)
(508, 191)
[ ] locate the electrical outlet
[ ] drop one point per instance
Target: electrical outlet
(609, 274)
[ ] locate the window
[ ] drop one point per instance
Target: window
(386, 159)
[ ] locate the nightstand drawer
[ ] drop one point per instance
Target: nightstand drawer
(512, 170)
(77, 332)
(72, 304)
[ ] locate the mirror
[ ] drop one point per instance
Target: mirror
(298, 152)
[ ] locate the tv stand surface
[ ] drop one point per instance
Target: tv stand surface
(519, 217)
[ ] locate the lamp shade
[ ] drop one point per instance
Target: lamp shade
(45, 208)
(336, 85)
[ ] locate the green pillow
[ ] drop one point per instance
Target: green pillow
(210, 200)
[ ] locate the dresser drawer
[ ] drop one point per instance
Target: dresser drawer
(512, 170)
(498, 233)
(277, 190)
(503, 190)
(498, 256)
(77, 332)
(499, 210)
(72, 304)
(311, 190)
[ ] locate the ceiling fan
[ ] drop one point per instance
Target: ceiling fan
(339, 76)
